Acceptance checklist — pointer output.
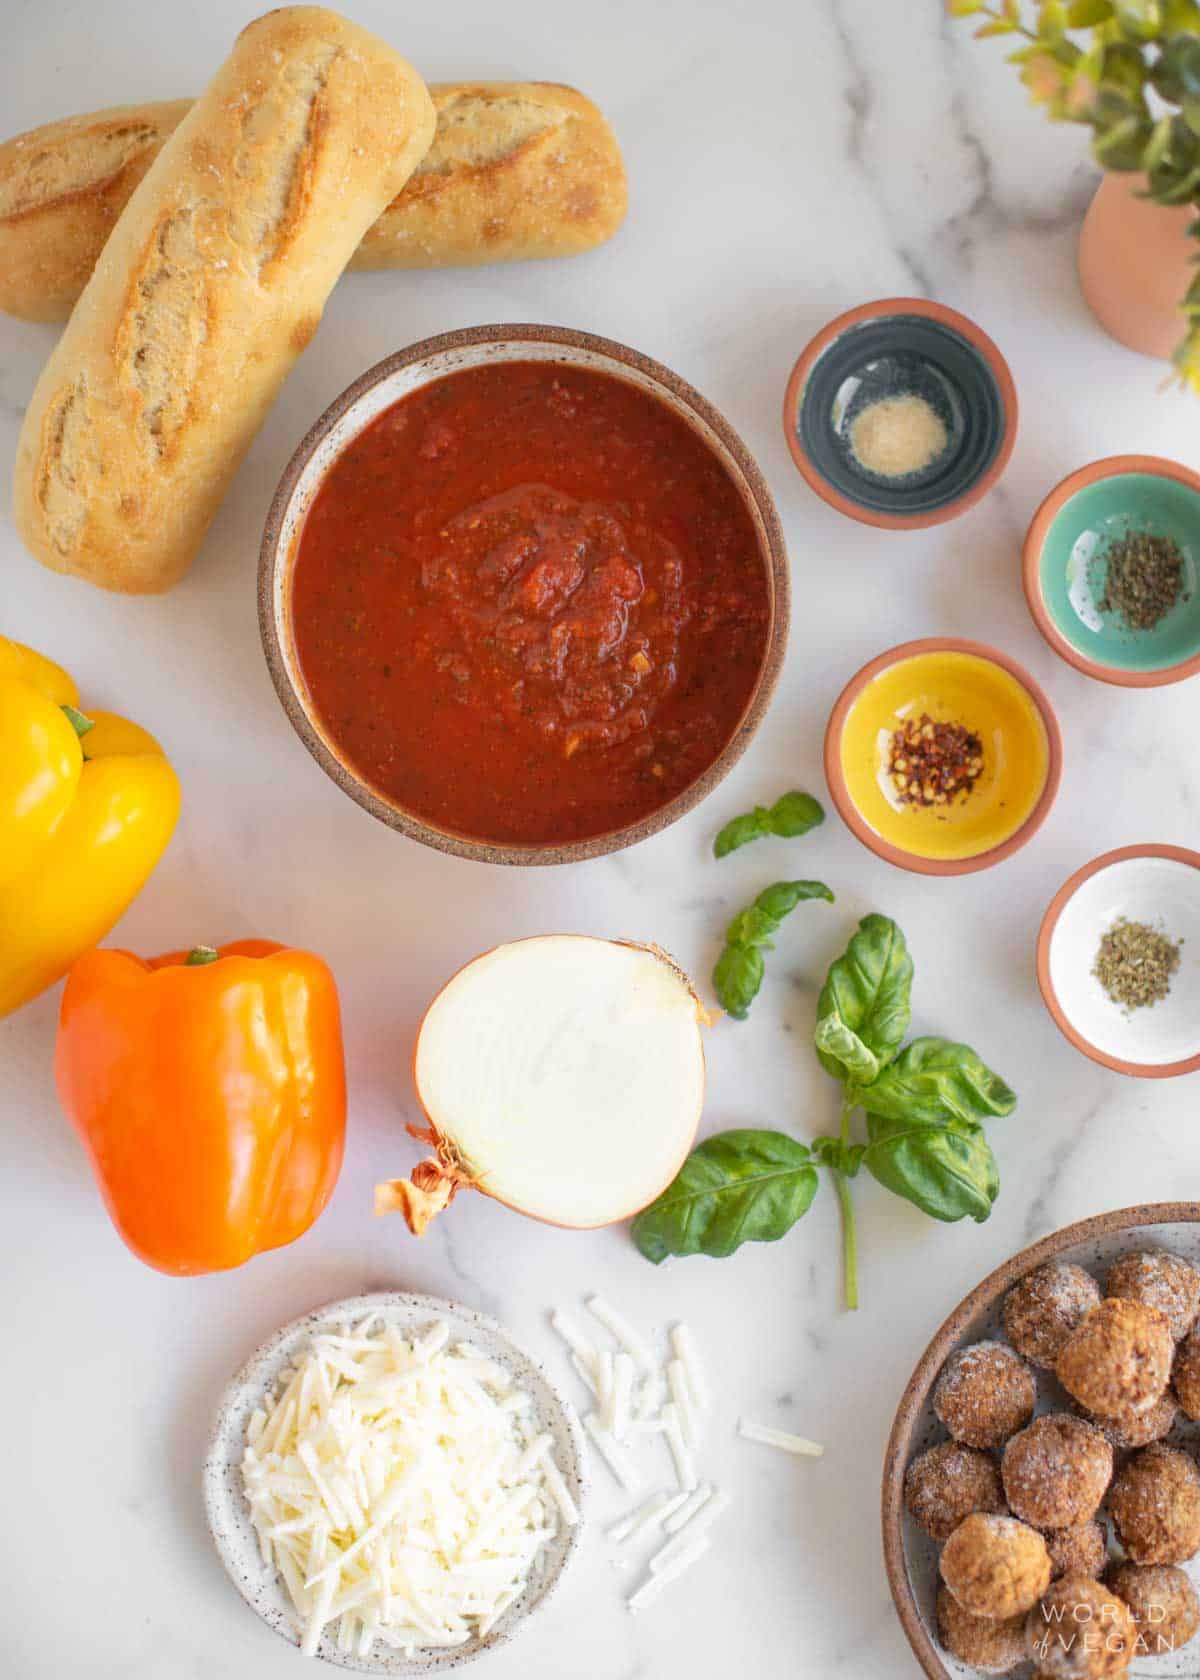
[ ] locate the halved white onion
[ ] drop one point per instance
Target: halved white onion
(563, 1075)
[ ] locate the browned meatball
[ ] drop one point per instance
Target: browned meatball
(1164, 1606)
(995, 1566)
(1080, 1631)
(1057, 1471)
(1155, 1503)
(984, 1394)
(1043, 1309)
(1186, 1376)
(1161, 1280)
(1137, 1429)
(1119, 1360)
(991, 1646)
(947, 1483)
(1082, 1550)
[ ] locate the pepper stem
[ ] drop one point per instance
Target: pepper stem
(199, 955)
(79, 723)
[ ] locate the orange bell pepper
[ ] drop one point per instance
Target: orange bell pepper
(209, 1089)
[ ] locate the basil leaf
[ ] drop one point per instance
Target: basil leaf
(868, 990)
(837, 1153)
(739, 971)
(741, 1186)
(781, 899)
(792, 815)
(836, 1043)
(933, 1082)
(947, 1171)
(753, 826)
(737, 978)
(752, 927)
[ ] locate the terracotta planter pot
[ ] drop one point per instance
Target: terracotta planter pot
(1135, 264)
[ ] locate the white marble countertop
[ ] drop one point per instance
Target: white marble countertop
(787, 161)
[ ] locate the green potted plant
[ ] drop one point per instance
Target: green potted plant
(1130, 71)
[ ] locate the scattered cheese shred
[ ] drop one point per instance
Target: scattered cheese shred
(661, 1578)
(399, 1489)
(780, 1438)
(621, 1331)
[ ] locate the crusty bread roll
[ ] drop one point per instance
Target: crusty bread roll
(516, 170)
(209, 287)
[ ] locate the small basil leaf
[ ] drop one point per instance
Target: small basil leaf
(741, 1186)
(933, 1082)
(794, 814)
(949, 1171)
(742, 830)
(737, 978)
(782, 898)
(843, 1053)
(752, 927)
(868, 989)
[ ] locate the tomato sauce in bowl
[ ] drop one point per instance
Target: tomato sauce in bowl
(529, 604)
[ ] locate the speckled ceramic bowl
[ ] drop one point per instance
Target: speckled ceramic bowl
(1063, 569)
(409, 370)
(228, 1514)
(894, 348)
(1156, 885)
(909, 1555)
(839, 788)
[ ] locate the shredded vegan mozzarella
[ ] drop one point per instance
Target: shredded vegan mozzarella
(400, 1489)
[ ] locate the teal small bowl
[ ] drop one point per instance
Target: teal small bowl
(1064, 569)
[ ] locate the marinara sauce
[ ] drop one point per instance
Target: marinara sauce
(528, 604)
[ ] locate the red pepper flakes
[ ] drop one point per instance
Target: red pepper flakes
(932, 763)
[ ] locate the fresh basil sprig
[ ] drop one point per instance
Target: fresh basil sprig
(739, 971)
(791, 815)
(925, 1106)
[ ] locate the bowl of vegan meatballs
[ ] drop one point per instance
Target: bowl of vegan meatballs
(1041, 1494)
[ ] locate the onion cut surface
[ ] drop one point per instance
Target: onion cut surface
(563, 1075)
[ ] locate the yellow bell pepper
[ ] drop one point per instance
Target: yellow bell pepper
(87, 805)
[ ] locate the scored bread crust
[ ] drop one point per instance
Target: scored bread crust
(517, 170)
(209, 287)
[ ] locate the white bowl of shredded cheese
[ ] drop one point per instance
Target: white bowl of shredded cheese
(393, 1485)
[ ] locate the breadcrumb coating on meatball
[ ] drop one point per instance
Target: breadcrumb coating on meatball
(1056, 1471)
(1158, 1279)
(1119, 1360)
(985, 1393)
(1082, 1550)
(1138, 1429)
(1186, 1375)
(1045, 1308)
(1155, 1504)
(1163, 1603)
(1080, 1631)
(995, 1566)
(991, 1646)
(947, 1483)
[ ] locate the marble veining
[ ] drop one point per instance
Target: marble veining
(787, 162)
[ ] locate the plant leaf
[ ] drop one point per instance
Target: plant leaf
(740, 1186)
(1084, 14)
(963, 8)
(737, 979)
(948, 1171)
(792, 815)
(742, 830)
(840, 1045)
(868, 990)
(782, 898)
(933, 1082)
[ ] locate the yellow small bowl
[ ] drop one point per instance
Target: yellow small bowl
(951, 681)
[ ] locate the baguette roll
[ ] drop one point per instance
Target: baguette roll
(209, 287)
(516, 170)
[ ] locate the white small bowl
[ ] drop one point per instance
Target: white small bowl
(229, 1515)
(1158, 885)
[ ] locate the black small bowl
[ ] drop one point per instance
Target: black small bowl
(901, 347)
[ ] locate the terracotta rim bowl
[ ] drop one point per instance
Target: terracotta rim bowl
(1050, 995)
(378, 389)
(911, 1412)
(849, 812)
(998, 425)
(1112, 466)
